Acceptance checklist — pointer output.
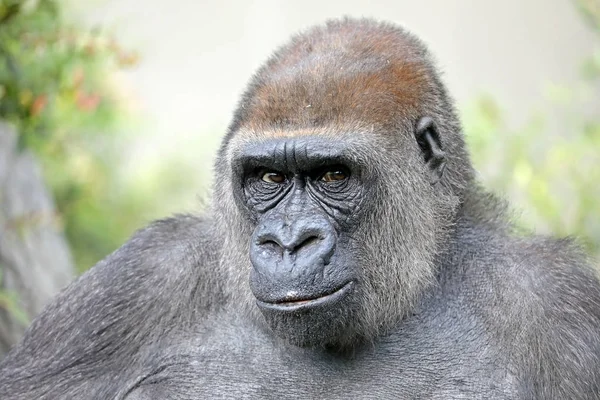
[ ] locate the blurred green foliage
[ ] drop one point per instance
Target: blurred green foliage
(550, 171)
(9, 301)
(58, 87)
(590, 10)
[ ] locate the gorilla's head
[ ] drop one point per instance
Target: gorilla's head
(346, 166)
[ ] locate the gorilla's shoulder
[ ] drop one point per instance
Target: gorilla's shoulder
(491, 251)
(183, 240)
(159, 271)
(541, 298)
(120, 305)
(552, 277)
(170, 257)
(554, 270)
(564, 285)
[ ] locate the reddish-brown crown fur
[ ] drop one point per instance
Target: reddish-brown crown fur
(348, 73)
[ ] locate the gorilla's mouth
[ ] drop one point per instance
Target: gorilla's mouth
(308, 302)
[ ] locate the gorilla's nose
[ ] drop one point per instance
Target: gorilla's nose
(302, 247)
(293, 238)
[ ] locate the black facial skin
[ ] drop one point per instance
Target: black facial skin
(305, 196)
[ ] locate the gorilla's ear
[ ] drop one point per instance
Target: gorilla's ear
(431, 147)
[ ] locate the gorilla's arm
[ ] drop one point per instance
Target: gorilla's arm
(87, 342)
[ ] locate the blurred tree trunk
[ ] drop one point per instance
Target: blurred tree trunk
(35, 261)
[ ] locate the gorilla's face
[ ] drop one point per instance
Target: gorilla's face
(343, 229)
(305, 196)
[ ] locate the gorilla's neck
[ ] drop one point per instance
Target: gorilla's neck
(482, 208)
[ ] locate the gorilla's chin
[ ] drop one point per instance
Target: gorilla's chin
(320, 322)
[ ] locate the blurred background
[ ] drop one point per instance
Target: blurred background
(111, 112)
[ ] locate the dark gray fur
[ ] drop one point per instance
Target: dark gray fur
(455, 303)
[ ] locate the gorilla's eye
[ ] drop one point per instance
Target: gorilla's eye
(334, 175)
(273, 177)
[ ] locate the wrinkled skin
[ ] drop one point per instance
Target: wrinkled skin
(348, 252)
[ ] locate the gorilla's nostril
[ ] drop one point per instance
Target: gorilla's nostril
(307, 243)
(268, 242)
(271, 247)
(268, 239)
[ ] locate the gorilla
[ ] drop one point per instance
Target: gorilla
(348, 252)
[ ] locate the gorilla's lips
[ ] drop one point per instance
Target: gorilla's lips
(295, 304)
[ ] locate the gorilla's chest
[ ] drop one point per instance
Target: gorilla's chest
(416, 362)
